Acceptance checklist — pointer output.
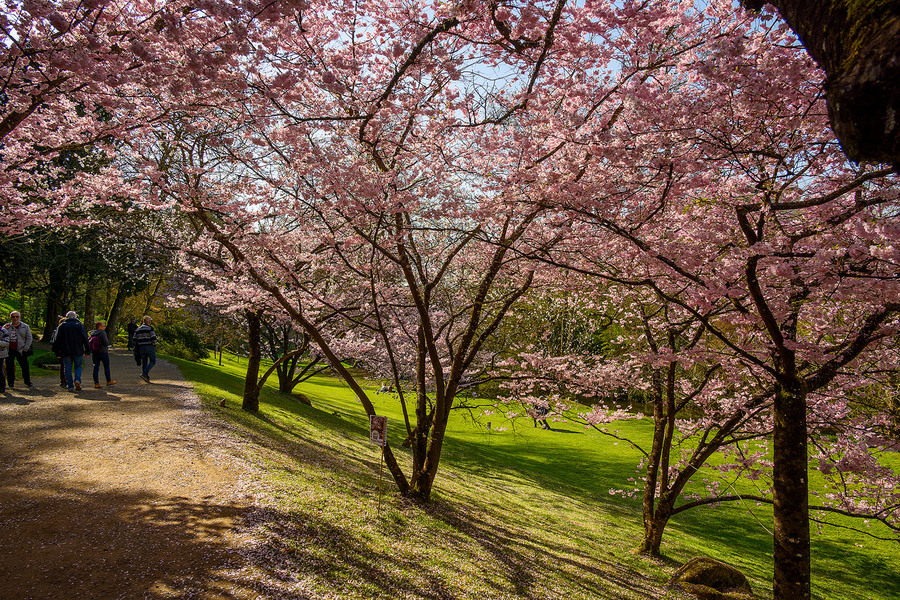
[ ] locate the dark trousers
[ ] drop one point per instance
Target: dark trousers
(101, 357)
(148, 359)
(11, 367)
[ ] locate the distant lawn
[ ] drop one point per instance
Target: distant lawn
(517, 512)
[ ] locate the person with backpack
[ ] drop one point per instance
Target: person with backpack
(99, 344)
(145, 346)
(71, 344)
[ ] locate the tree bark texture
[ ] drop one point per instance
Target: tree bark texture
(115, 313)
(55, 298)
(791, 496)
(857, 43)
(251, 385)
(90, 308)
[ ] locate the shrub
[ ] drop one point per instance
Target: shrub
(43, 357)
(180, 342)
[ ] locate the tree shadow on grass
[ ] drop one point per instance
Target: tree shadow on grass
(729, 528)
(487, 560)
(878, 571)
(576, 472)
(344, 562)
(537, 567)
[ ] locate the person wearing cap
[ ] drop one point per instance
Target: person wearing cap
(19, 348)
(71, 344)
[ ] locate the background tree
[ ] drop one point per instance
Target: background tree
(289, 351)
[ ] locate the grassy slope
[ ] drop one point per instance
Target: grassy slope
(518, 512)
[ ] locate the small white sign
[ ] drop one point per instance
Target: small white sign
(378, 430)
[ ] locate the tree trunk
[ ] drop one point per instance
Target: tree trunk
(115, 313)
(90, 311)
(420, 481)
(152, 296)
(55, 292)
(654, 527)
(286, 371)
(251, 385)
(791, 496)
(858, 46)
(652, 533)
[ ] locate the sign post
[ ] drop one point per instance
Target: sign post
(378, 436)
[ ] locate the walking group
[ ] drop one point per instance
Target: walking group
(71, 342)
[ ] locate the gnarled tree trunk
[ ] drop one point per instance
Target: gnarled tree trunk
(858, 45)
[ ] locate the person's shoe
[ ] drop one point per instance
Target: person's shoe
(145, 378)
(78, 385)
(97, 386)
(71, 389)
(29, 384)
(110, 383)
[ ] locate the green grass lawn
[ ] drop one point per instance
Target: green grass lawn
(517, 512)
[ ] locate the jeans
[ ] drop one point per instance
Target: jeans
(68, 363)
(148, 359)
(11, 367)
(101, 357)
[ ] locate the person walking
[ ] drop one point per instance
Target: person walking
(145, 346)
(4, 352)
(62, 370)
(71, 344)
(99, 344)
(19, 349)
(540, 415)
(132, 327)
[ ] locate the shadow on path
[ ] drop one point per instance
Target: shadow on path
(117, 492)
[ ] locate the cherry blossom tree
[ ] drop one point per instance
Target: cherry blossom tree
(400, 187)
(91, 74)
(344, 217)
(744, 216)
(395, 178)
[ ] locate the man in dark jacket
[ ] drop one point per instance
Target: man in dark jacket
(71, 344)
(145, 347)
(132, 327)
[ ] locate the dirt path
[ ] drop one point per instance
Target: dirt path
(128, 491)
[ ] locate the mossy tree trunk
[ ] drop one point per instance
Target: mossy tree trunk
(857, 43)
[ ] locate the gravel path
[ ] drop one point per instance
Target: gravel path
(129, 491)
